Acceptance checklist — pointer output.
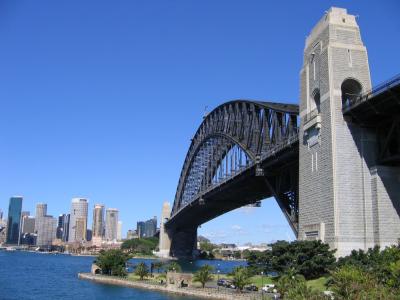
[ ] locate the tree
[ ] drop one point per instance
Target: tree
(301, 291)
(142, 270)
(289, 281)
(312, 259)
(352, 282)
(143, 246)
(174, 266)
(240, 277)
(203, 275)
(158, 265)
(112, 262)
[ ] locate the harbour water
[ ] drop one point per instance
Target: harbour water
(27, 275)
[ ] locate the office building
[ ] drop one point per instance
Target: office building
(111, 224)
(89, 235)
(61, 227)
(78, 220)
(41, 211)
(119, 231)
(27, 224)
(147, 228)
(46, 227)
(14, 219)
(98, 221)
(66, 228)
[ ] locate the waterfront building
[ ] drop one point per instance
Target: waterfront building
(89, 234)
(111, 224)
(98, 221)
(46, 227)
(41, 211)
(131, 234)
(27, 224)
(119, 231)
(60, 227)
(147, 228)
(14, 219)
(65, 228)
(78, 220)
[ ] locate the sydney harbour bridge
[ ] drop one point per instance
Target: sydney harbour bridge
(302, 155)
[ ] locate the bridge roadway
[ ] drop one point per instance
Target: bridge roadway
(239, 190)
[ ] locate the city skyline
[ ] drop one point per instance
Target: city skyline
(87, 89)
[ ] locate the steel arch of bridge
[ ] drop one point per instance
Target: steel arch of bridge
(232, 137)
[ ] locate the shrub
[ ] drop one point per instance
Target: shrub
(203, 275)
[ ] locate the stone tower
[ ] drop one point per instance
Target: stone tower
(165, 242)
(335, 202)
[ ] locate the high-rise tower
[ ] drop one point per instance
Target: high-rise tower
(78, 220)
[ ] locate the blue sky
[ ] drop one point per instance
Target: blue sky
(99, 99)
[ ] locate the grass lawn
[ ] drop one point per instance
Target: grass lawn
(318, 284)
(260, 281)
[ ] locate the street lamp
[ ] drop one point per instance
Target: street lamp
(262, 285)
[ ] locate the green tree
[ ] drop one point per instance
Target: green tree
(301, 292)
(240, 277)
(174, 266)
(290, 281)
(312, 259)
(158, 265)
(203, 275)
(112, 262)
(142, 270)
(143, 246)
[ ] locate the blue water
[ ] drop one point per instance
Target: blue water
(25, 275)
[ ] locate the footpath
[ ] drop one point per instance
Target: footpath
(208, 293)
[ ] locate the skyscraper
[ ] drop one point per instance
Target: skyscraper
(98, 221)
(147, 228)
(119, 231)
(78, 220)
(46, 231)
(61, 227)
(14, 219)
(66, 228)
(111, 224)
(41, 211)
(27, 224)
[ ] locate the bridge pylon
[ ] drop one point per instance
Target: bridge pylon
(344, 193)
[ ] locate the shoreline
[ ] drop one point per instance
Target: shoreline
(207, 293)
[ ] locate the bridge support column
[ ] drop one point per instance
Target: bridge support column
(183, 242)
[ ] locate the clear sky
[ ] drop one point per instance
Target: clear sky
(99, 99)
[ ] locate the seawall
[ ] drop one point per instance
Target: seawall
(207, 293)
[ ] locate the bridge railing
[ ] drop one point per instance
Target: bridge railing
(380, 88)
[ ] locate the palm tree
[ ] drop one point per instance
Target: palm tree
(241, 277)
(174, 266)
(142, 270)
(203, 275)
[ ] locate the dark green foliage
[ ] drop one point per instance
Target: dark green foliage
(158, 265)
(112, 262)
(240, 277)
(143, 246)
(203, 275)
(383, 265)
(352, 282)
(311, 259)
(142, 270)
(173, 267)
